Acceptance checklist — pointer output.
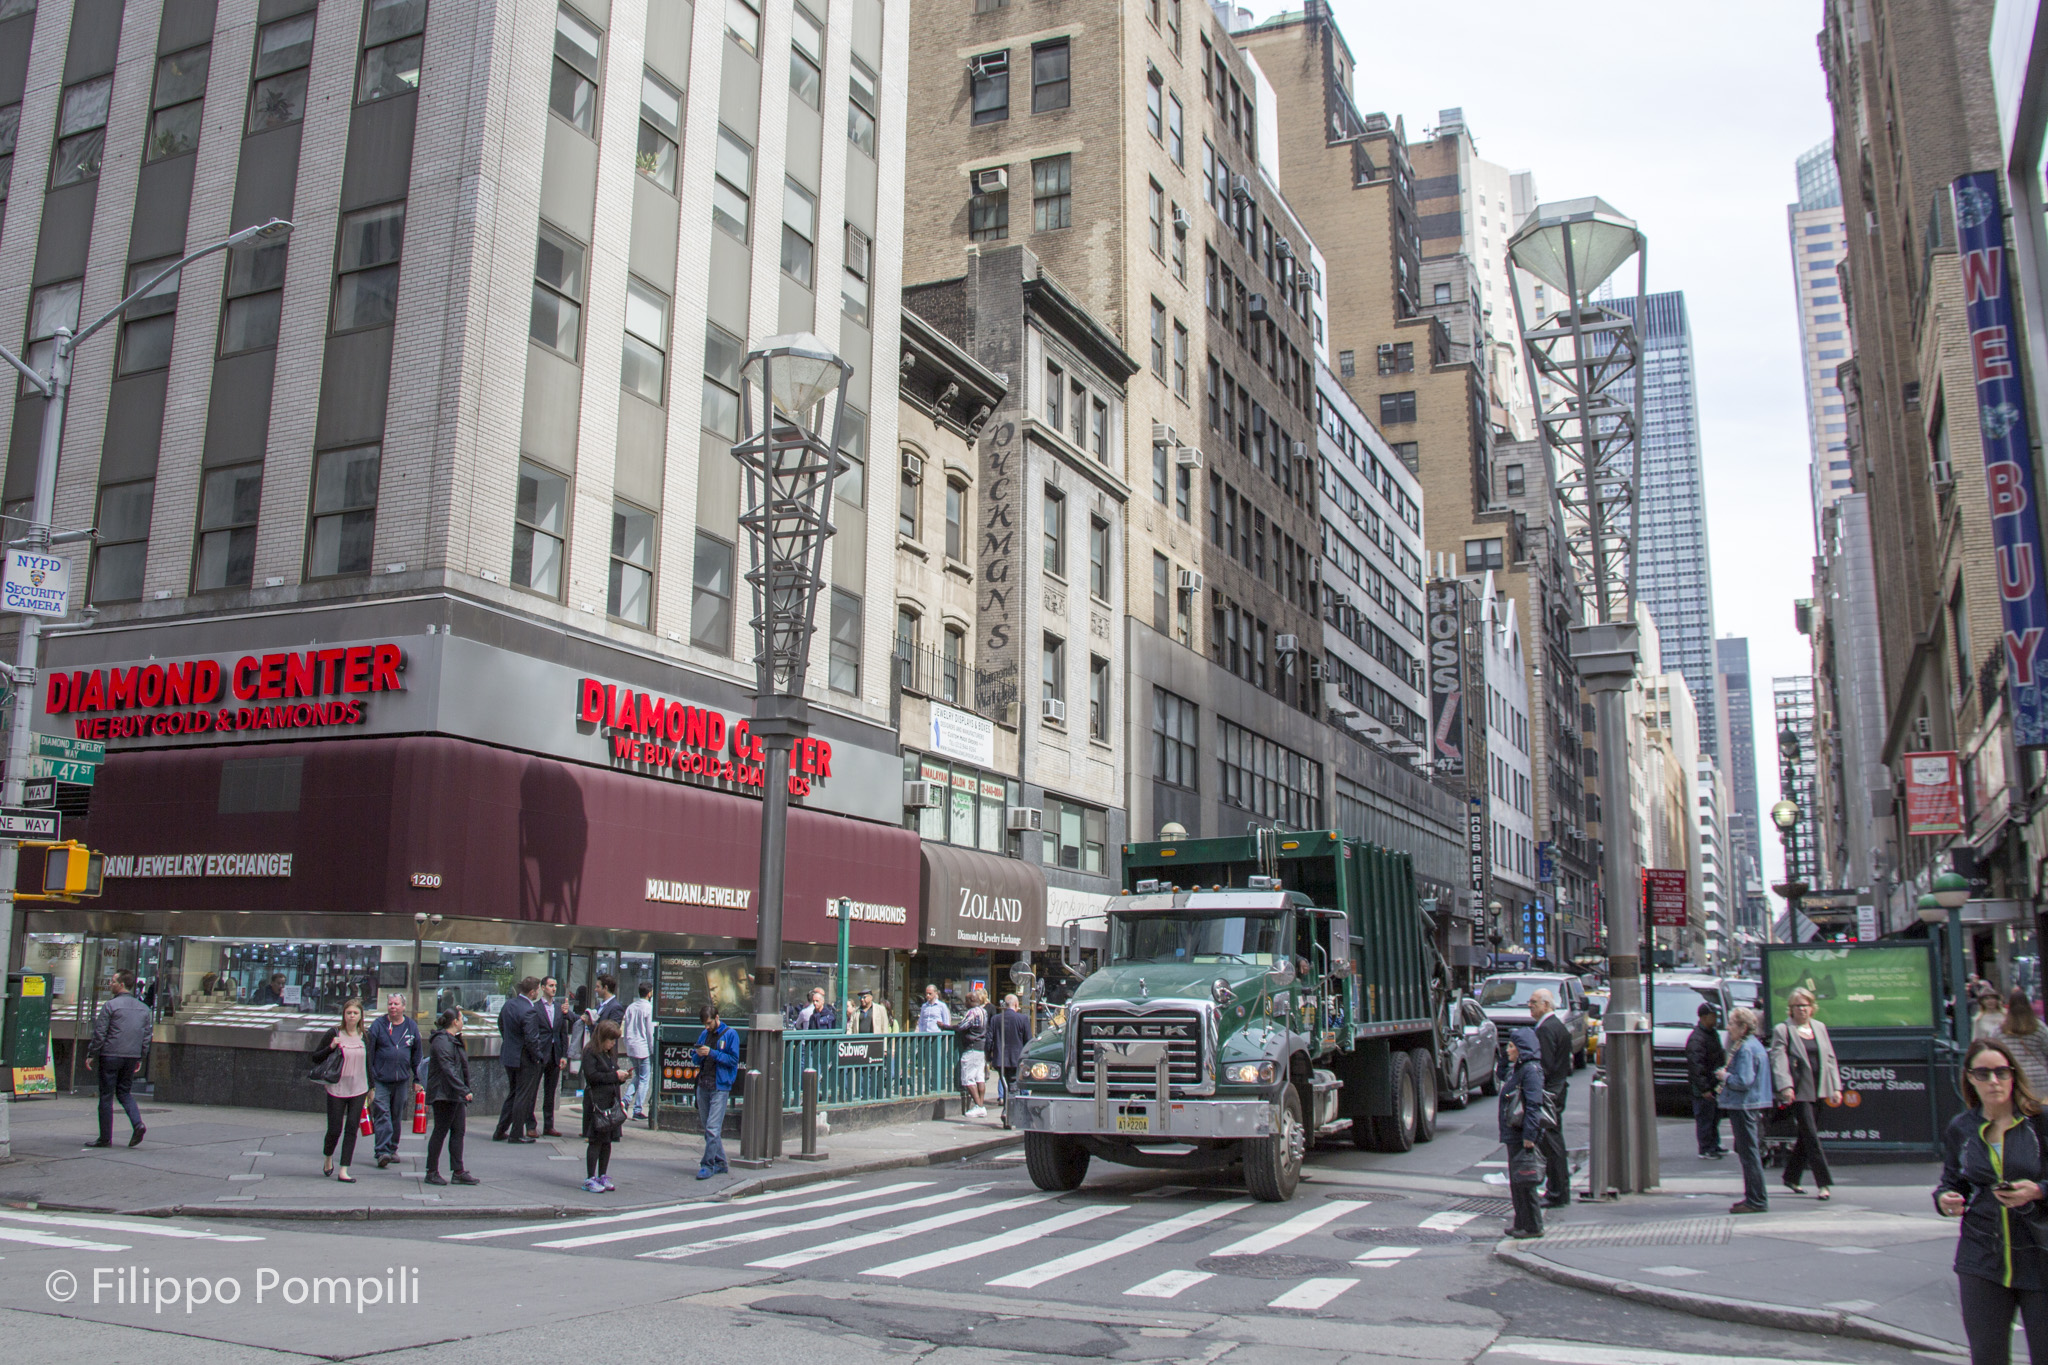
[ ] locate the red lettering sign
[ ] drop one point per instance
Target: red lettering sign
(1983, 274)
(1989, 350)
(311, 675)
(679, 740)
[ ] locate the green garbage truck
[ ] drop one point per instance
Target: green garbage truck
(1257, 992)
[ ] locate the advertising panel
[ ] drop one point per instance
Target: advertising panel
(1865, 986)
(1447, 677)
(1934, 793)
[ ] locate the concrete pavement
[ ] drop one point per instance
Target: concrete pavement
(264, 1163)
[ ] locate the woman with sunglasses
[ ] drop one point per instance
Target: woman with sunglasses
(1991, 1178)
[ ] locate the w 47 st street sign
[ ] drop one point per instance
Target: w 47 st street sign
(63, 759)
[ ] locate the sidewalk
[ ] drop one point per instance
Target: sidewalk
(265, 1163)
(1873, 1263)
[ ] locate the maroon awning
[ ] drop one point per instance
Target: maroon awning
(508, 835)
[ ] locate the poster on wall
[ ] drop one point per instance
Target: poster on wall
(1865, 986)
(1934, 795)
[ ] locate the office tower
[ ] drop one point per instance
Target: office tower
(1674, 573)
(1818, 239)
(1731, 655)
(1792, 712)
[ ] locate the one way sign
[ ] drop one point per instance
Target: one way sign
(20, 822)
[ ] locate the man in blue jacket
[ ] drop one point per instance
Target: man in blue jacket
(392, 1051)
(718, 1062)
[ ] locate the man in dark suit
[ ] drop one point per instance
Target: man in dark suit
(608, 1005)
(1554, 1039)
(556, 1019)
(523, 1050)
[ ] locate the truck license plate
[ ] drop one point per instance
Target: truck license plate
(1133, 1123)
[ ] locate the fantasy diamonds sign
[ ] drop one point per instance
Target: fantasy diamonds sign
(2008, 461)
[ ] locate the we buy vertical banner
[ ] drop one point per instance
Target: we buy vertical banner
(2008, 458)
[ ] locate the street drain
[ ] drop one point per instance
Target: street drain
(1403, 1237)
(1273, 1266)
(1492, 1208)
(1711, 1231)
(1367, 1196)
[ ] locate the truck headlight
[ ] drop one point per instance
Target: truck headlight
(1250, 1073)
(1042, 1071)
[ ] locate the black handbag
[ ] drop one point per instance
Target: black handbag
(327, 1070)
(1525, 1167)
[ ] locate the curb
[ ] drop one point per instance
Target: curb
(806, 1175)
(1822, 1321)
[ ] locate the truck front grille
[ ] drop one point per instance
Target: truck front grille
(1180, 1030)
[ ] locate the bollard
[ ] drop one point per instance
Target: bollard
(755, 1109)
(810, 1093)
(1600, 1147)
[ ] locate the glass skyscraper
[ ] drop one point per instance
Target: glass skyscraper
(1674, 577)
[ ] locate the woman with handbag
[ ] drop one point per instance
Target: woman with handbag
(347, 1084)
(448, 1094)
(1521, 1129)
(1746, 1098)
(604, 1117)
(1991, 1177)
(1804, 1073)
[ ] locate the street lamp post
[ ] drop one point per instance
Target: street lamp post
(1589, 359)
(1785, 815)
(1946, 901)
(420, 920)
(56, 388)
(789, 389)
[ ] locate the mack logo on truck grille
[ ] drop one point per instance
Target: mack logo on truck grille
(1180, 1032)
(1116, 1030)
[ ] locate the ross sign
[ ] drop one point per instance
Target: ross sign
(182, 697)
(36, 583)
(1664, 897)
(1934, 794)
(665, 738)
(1859, 987)
(41, 791)
(64, 747)
(20, 822)
(2008, 457)
(862, 1052)
(61, 770)
(1881, 1102)
(1447, 679)
(199, 865)
(963, 735)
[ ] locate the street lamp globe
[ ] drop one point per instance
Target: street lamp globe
(798, 372)
(1575, 244)
(1931, 911)
(1785, 814)
(1951, 890)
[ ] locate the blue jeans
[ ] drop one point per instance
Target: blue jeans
(640, 1089)
(1748, 1125)
(389, 1099)
(711, 1107)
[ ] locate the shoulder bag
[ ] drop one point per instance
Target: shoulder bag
(327, 1070)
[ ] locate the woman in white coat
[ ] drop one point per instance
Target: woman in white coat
(1805, 1074)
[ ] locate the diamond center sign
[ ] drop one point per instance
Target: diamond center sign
(39, 584)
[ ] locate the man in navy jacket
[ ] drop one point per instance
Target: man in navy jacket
(393, 1055)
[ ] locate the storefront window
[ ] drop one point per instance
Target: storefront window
(970, 812)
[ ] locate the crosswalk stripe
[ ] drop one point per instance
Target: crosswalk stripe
(1447, 1221)
(1033, 1276)
(1280, 1234)
(638, 1215)
(118, 1225)
(745, 1215)
(1384, 1256)
(51, 1239)
(834, 1219)
(1589, 1353)
(1168, 1285)
(874, 1239)
(967, 1251)
(1311, 1294)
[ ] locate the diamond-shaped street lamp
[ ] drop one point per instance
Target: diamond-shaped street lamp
(792, 413)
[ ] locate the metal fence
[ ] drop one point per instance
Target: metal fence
(907, 1066)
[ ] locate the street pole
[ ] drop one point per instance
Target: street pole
(56, 386)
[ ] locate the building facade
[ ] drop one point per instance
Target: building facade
(1792, 712)
(1745, 832)
(1817, 234)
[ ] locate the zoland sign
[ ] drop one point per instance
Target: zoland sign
(672, 739)
(306, 689)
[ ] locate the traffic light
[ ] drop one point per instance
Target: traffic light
(72, 869)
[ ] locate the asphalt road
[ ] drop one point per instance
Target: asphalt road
(1377, 1258)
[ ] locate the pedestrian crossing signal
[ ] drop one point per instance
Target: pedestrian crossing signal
(72, 869)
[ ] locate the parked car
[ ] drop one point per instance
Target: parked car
(1675, 1012)
(1470, 1043)
(1596, 1012)
(1505, 998)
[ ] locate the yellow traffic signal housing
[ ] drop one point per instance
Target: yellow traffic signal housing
(72, 869)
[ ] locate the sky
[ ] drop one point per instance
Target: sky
(1687, 119)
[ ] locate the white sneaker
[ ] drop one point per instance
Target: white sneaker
(977, 1112)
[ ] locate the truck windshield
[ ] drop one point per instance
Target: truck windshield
(1197, 938)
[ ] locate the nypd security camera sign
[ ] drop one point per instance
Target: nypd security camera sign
(36, 583)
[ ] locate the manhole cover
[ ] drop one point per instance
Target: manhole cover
(1403, 1237)
(1493, 1208)
(1273, 1266)
(1367, 1196)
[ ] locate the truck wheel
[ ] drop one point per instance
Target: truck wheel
(1272, 1165)
(1395, 1132)
(1423, 1067)
(1054, 1163)
(1460, 1093)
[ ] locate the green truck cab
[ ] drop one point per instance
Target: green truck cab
(1259, 991)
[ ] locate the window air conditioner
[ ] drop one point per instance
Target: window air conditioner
(1301, 450)
(1287, 644)
(1188, 457)
(1190, 581)
(1182, 222)
(988, 64)
(994, 180)
(1052, 709)
(1241, 187)
(1257, 304)
(1162, 435)
(913, 467)
(1025, 818)
(1317, 670)
(922, 796)
(1284, 249)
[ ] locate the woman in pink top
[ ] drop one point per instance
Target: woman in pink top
(346, 1094)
